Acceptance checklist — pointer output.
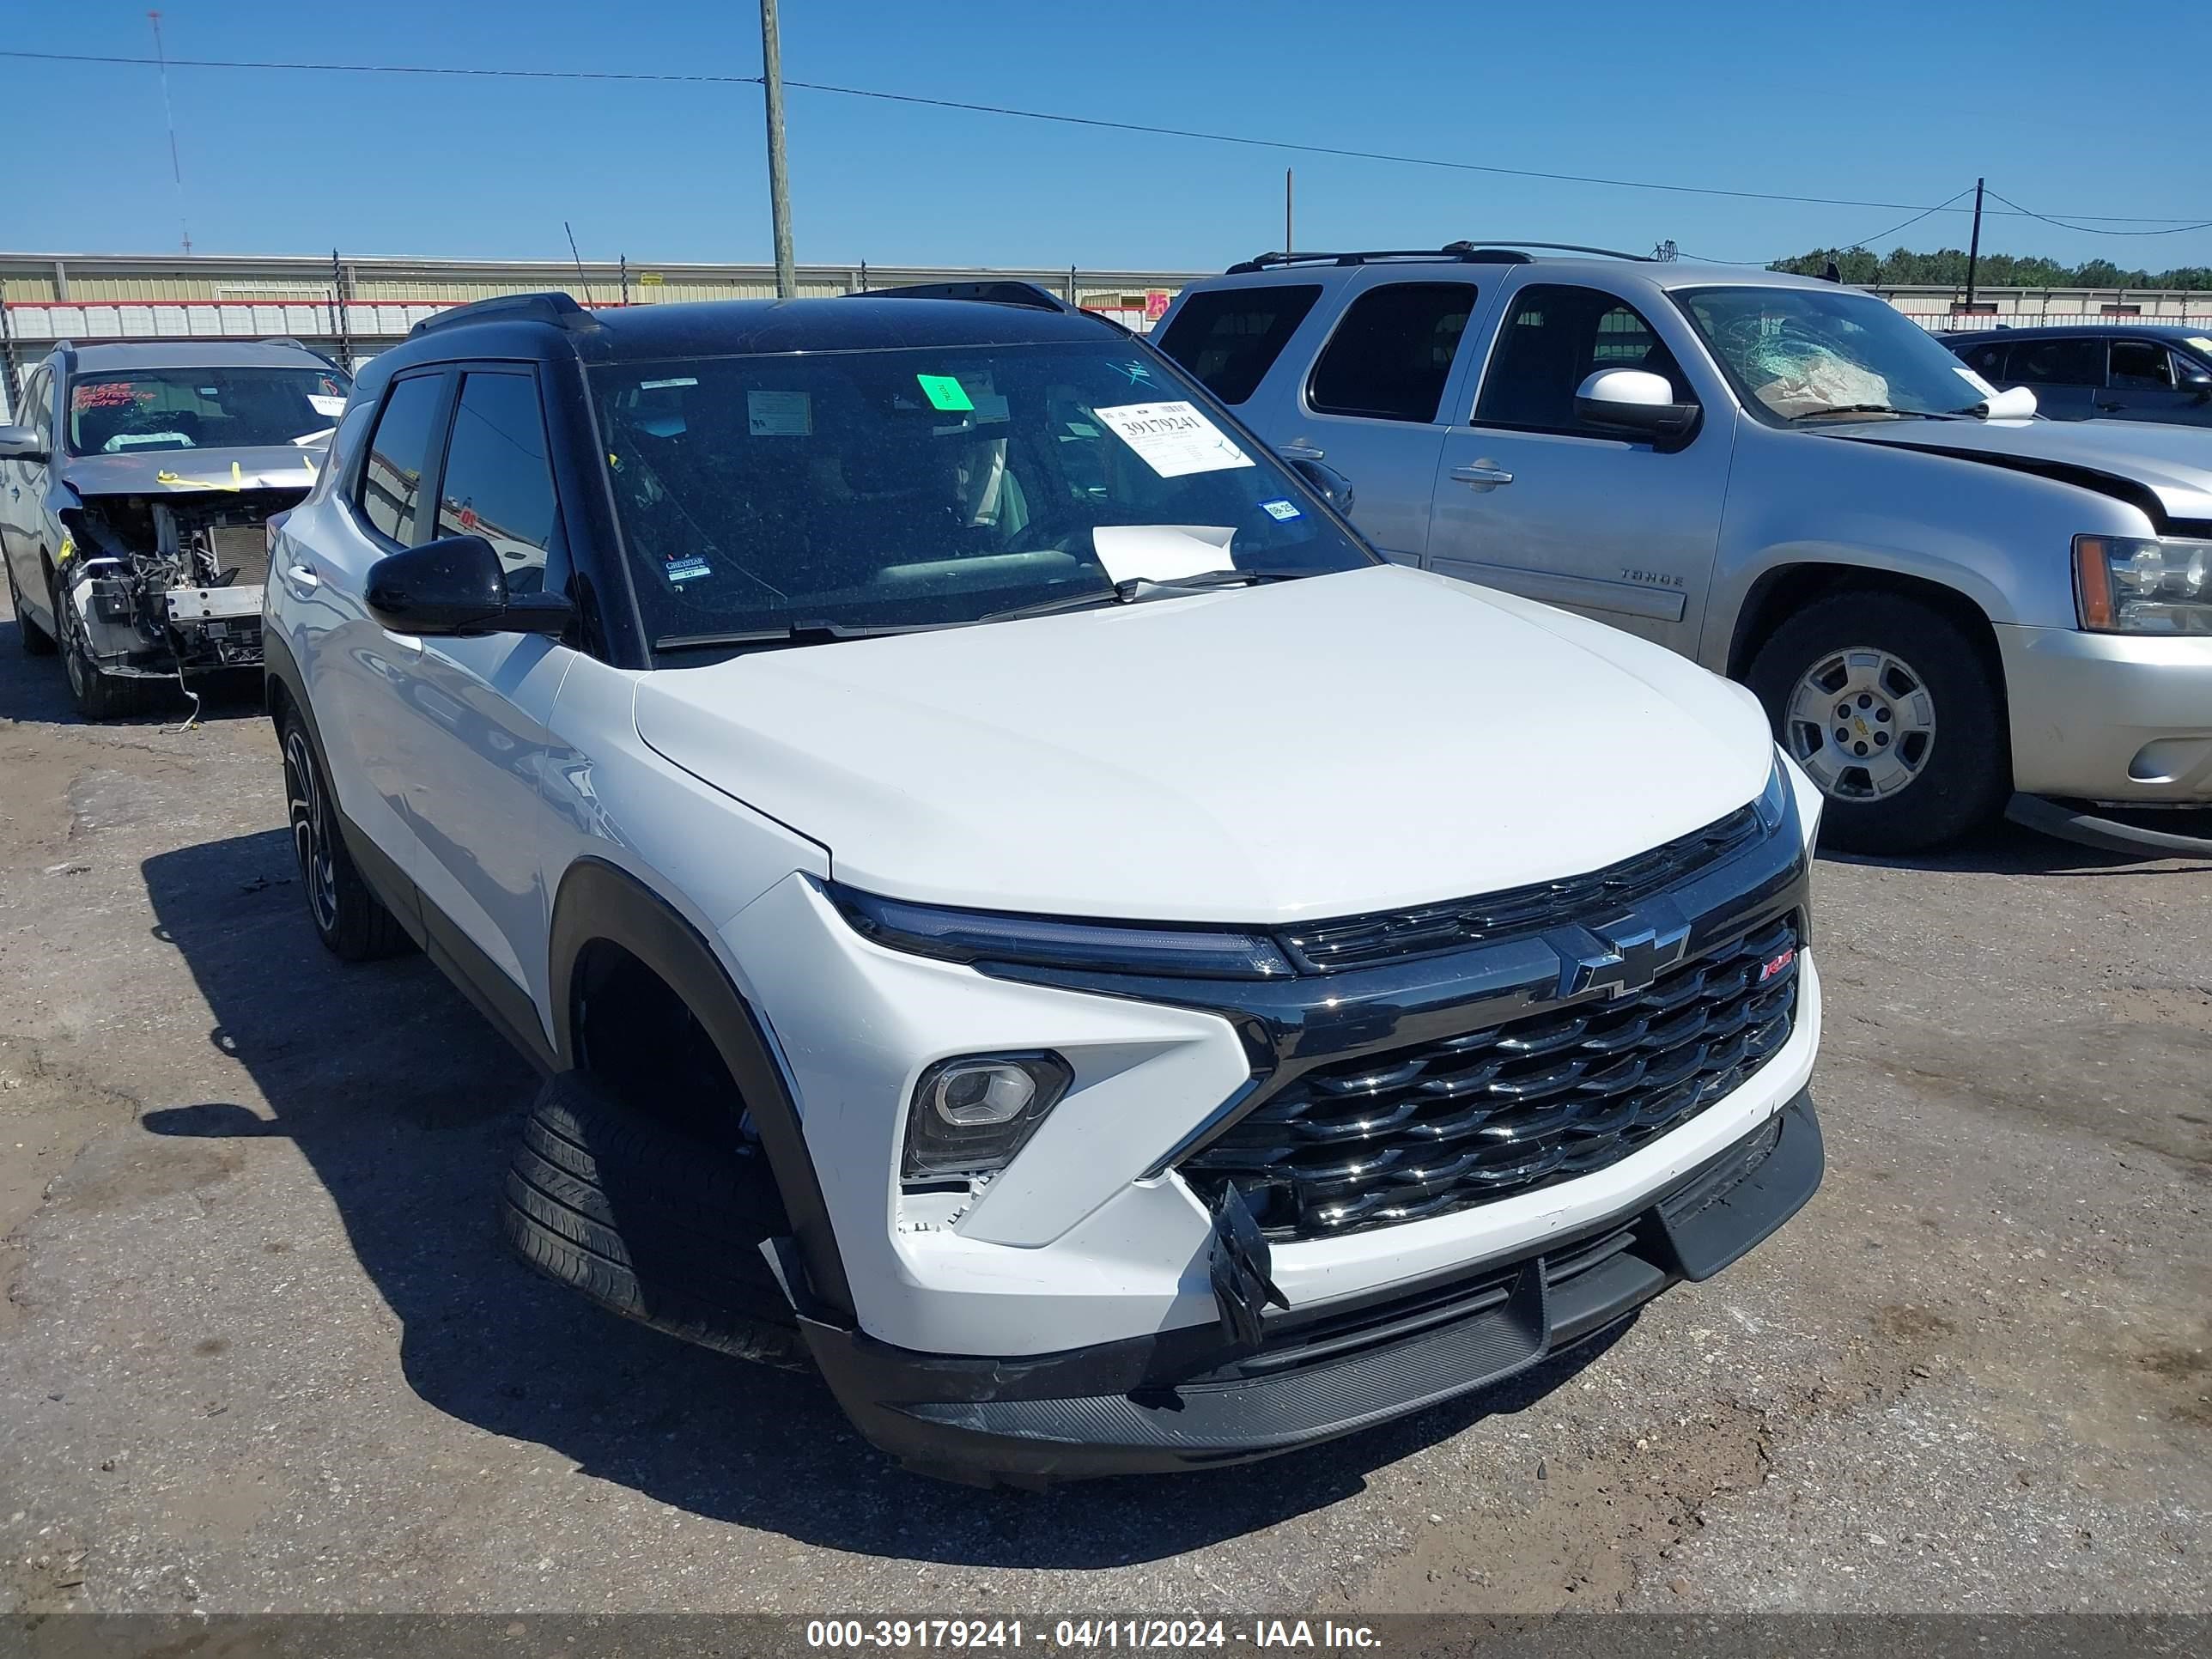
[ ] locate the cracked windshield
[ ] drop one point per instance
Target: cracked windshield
(1802, 354)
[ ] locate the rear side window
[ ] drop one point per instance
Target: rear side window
(1988, 361)
(391, 480)
(1229, 338)
(498, 483)
(2059, 363)
(1391, 355)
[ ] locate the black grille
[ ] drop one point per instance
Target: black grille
(1470, 1118)
(1454, 924)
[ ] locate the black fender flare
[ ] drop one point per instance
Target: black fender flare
(597, 901)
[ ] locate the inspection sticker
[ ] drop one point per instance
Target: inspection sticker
(779, 413)
(684, 570)
(1173, 439)
(1284, 510)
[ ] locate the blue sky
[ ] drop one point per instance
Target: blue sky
(1894, 103)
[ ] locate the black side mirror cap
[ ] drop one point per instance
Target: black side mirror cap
(454, 587)
(1664, 422)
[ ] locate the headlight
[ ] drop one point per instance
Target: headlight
(1773, 803)
(1039, 941)
(969, 1116)
(2143, 585)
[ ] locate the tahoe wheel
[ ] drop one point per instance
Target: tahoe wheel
(349, 919)
(1892, 711)
(99, 695)
(34, 640)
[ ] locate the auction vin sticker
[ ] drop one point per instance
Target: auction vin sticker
(1173, 439)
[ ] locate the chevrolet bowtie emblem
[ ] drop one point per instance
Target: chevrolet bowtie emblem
(1621, 956)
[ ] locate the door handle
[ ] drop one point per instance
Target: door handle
(1482, 475)
(1302, 451)
(2108, 408)
(14, 492)
(303, 575)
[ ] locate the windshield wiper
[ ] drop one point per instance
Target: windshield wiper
(1863, 409)
(803, 633)
(1135, 587)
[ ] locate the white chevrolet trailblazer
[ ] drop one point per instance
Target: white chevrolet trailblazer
(1014, 900)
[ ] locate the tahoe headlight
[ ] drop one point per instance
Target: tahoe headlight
(2143, 584)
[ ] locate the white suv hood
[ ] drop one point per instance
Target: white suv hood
(1316, 748)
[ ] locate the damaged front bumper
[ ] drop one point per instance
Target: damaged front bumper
(1198, 1396)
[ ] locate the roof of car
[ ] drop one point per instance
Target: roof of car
(552, 325)
(196, 354)
(1659, 273)
(2116, 327)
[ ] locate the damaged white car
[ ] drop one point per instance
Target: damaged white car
(134, 498)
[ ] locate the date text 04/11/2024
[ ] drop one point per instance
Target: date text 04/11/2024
(1158, 1635)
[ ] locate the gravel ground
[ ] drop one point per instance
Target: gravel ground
(261, 1348)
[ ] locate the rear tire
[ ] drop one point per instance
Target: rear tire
(351, 920)
(34, 640)
(649, 1223)
(1889, 788)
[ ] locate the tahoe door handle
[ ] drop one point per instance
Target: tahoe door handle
(1482, 475)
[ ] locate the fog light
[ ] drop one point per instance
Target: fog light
(969, 1116)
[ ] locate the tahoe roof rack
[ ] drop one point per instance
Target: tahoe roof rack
(1501, 252)
(559, 309)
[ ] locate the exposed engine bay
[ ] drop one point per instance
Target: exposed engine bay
(170, 585)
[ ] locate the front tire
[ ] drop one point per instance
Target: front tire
(352, 922)
(99, 695)
(651, 1223)
(33, 640)
(1892, 709)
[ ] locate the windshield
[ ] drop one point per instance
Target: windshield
(143, 409)
(1800, 355)
(904, 489)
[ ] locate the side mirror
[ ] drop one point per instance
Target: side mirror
(454, 587)
(2198, 381)
(21, 443)
(1635, 400)
(1333, 486)
(2014, 403)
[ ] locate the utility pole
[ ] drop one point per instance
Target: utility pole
(340, 319)
(1974, 247)
(779, 187)
(168, 112)
(1288, 246)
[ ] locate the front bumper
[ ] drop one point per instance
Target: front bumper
(2109, 717)
(1182, 1398)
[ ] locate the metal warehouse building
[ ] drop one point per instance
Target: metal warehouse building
(352, 308)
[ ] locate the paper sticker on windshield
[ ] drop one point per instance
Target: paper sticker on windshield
(1173, 439)
(684, 570)
(944, 393)
(1162, 552)
(1285, 510)
(1978, 382)
(779, 413)
(329, 408)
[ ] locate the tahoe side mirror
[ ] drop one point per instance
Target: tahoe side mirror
(1634, 400)
(21, 443)
(454, 587)
(1331, 485)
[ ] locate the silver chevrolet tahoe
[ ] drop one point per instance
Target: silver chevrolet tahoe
(1948, 605)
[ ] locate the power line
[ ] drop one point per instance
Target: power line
(1099, 123)
(2174, 230)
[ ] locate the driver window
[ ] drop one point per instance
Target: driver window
(1556, 335)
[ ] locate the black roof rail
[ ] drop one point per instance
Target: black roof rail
(559, 309)
(1000, 291)
(1461, 252)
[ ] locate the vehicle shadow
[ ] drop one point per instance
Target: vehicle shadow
(36, 689)
(2011, 849)
(406, 1105)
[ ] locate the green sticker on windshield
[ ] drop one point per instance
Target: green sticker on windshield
(944, 393)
